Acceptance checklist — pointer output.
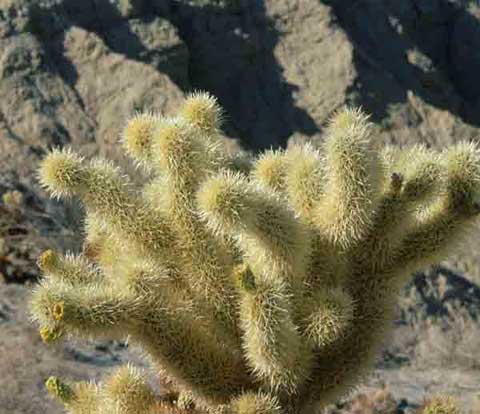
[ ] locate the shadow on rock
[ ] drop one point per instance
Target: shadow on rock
(439, 290)
(428, 47)
(230, 54)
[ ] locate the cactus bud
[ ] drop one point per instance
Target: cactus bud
(62, 173)
(138, 134)
(49, 335)
(59, 390)
(127, 392)
(47, 261)
(202, 110)
(244, 277)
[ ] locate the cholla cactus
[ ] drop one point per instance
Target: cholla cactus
(266, 289)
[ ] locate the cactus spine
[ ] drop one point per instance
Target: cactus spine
(255, 288)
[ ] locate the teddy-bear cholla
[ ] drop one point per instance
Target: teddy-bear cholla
(262, 285)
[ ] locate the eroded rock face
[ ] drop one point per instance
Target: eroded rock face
(320, 72)
(73, 78)
(280, 68)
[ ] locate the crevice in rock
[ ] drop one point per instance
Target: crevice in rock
(10, 133)
(58, 64)
(416, 53)
(232, 56)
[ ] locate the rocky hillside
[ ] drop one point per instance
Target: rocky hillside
(72, 72)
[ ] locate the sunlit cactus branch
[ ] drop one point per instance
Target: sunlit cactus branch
(256, 286)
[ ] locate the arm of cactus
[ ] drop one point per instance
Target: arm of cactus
(125, 391)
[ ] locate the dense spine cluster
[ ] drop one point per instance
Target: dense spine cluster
(255, 287)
